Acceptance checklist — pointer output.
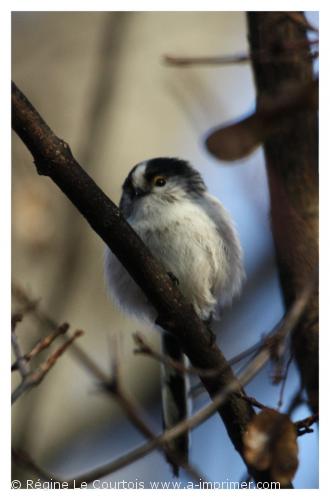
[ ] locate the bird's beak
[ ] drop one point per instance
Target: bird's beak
(138, 192)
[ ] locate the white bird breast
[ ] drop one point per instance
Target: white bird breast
(194, 240)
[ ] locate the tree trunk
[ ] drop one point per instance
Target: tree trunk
(292, 166)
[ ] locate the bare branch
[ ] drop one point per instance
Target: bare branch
(256, 403)
(42, 344)
(172, 433)
(284, 379)
(267, 347)
(111, 384)
(53, 158)
(207, 411)
(24, 460)
(293, 315)
(16, 318)
(114, 386)
(205, 60)
(33, 378)
(303, 426)
(274, 340)
(296, 401)
(22, 365)
(143, 347)
(262, 56)
(32, 306)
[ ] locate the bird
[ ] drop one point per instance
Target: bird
(166, 202)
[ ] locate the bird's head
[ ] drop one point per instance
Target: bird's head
(162, 181)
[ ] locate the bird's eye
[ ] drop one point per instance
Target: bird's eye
(159, 181)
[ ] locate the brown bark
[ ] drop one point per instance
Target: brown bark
(292, 166)
(53, 158)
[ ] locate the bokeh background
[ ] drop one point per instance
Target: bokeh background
(99, 80)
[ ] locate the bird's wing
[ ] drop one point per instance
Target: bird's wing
(232, 248)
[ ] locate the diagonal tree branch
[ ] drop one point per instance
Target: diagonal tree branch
(113, 385)
(53, 158)
(261, 358)
(161, 439)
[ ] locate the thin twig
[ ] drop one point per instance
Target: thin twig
(273, 340)
(290, 320)
(199, 388)
(259, 361)
(114, 386)
(53, 158)
(180, 428)
(24, 460)
(30, 305)
(133, 413)
(110, 383)
(207, 411)
(303, 426)
(296, 401)
(16, 318)
(33, 306)
(172, 433)
(256, 403)
(205, 60)
(263, 56)
(45, 342)
(33, 378)
(22, 365)
(284, 379)
(42, 344)
(145, 348)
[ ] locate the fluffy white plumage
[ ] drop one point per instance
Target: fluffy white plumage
(166, 202)
(188, 231)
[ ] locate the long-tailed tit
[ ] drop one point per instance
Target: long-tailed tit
(166, 202)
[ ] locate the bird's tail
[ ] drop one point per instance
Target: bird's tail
(175, 386)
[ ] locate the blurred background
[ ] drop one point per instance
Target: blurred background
(99, 80)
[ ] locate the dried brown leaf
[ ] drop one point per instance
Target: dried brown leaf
(270, 442)
(236, 141)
